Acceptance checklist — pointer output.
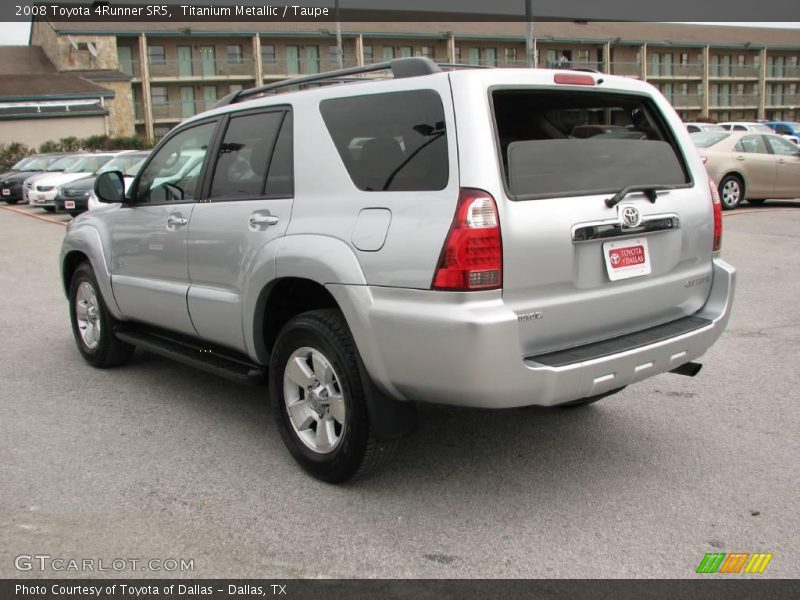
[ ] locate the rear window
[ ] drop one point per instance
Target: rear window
(559, 143)
(390, 142)
(706, 139)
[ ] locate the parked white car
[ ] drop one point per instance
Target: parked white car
(44, 190)
(695, 127)
(56, 168)
(756, 127)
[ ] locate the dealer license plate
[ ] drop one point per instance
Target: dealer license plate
(626, 258)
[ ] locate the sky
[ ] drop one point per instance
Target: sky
(16, 34)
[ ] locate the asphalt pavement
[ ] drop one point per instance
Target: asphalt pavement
(156, 460)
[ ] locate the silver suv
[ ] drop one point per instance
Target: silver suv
(435, 236)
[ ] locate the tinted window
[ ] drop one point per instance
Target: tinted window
(739, 128)
(280, 181)
(244, 155)
(171, 176)
(753, 144)
(542, 155)
(89, 164)
(395, 141)
(782, 146)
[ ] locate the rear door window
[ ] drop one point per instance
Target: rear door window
(245, 154)
(753, 144)
(566, 143)
(390, 142)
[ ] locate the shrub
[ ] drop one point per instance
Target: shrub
(96, 142)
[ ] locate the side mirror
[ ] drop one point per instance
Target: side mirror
(109, 187)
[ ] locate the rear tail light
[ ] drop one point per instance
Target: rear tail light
(472, 256)
(717, 215)
(704, 159)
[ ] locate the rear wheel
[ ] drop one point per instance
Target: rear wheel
(92, 324)
(11, 201)
(319, 398)
(50, 209)
(731, 192)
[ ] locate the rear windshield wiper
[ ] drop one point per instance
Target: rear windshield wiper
(648, 190)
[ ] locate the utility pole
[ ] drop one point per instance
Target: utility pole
(529, 37)
(339, 51)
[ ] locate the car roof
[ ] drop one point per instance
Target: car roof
(485, 76)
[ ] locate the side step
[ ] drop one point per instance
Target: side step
(192, 352)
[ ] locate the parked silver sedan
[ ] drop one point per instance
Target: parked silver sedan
(750, 166)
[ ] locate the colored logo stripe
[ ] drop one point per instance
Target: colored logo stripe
(714, 562)
(758, 563)
(711, 562)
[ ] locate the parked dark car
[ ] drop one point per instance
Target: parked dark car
(11, 180)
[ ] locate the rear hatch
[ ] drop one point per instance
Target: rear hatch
(582, 263)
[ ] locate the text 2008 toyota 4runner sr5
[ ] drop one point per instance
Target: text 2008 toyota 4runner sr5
(435, 236)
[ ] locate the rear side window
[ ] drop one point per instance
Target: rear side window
(751, 143)
(561, 143)
(390, 142)
(245, 154)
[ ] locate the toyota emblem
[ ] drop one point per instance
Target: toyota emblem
(630, 217)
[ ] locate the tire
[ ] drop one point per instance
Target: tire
(756, 201)
(315, 368)
(590, 400)
(11, 201)
(92, 324)
(50, 209)
(731, 192)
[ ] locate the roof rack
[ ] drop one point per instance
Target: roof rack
(401, 67)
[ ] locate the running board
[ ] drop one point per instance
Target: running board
(219, 361)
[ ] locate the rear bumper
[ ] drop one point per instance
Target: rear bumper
(463, 349)
(11, 193)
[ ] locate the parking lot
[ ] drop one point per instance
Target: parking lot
(155, 460)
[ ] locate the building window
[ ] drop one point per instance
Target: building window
(457, 55)
(333, 53)
(268, 53)
(156, 55)
(583, 56)
(233, 54)
(159, 95)
(474, 56)
(368, 55)
(406, 51)
(388, 52)
(510, 55)
(427, 52)
(684, 58)
(491, 56)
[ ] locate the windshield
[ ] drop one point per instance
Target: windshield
(705, 139)
(63, 163)
(39, 163)
(88, 164)
(120, 163)
(21, 164)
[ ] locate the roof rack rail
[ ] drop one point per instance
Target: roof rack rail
(414, 66)
(464, 66)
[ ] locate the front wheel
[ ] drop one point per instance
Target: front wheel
(92, 323)
(50, 209)
(731, 192)
(319, 398)
(11, 201)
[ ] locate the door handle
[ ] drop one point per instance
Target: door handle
(781, 161)
(176, 221)
(263, 220)
(740, 158)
